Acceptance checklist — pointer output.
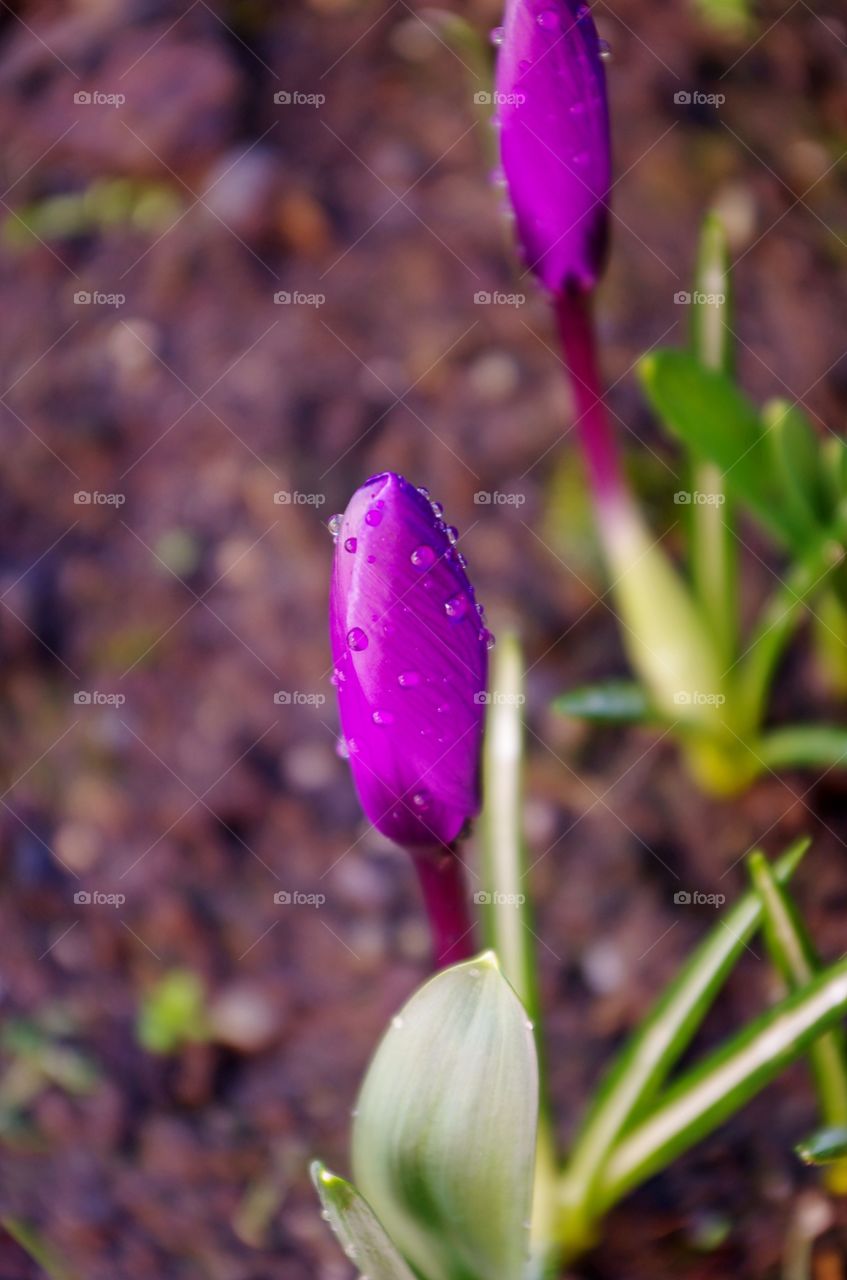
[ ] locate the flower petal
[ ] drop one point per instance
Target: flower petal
(410, 651)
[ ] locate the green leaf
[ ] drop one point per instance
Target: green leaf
(804, 745)
(797, 461)
(834, 467)
(715, 1089)
(654, 1049)
(795, 958)
(711, 417)
(504, 901)
(173, 1013)
(613, 702)
(444, 1136)
(357, 1228)
(824, 1146)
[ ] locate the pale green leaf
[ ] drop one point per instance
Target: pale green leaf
(444, 1136)
(357, 1228)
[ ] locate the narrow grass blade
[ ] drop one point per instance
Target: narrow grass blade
(804, 745)
(794, 957)
(654, 1050)
(718, 1087)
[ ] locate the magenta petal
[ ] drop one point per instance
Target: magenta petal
(410, 654)
(554, 138)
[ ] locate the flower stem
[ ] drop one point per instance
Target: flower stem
(442, 880)
(576, 330)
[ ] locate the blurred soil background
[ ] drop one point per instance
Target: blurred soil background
(331, 154)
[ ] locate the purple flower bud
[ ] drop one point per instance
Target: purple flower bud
(410, 652)
(554, 138)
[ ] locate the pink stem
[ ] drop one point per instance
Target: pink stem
(576, 329)
(442, 882)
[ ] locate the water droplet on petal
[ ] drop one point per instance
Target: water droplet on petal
(373, 517)
(549, 20)
(371, 559)
(497, 35)
(423, 556)
(357, 639)
(437, 509)
(338, 677)
(350, 544)
(605, 50)
(529, 1024)
(382, 717)
(452, 535)
(457, 606)
(342, 750)
(397, 1022)
(473, 973)
(423, 489)
(422, 800)
(524, 65)
(487, 638)
(408, 679)
(334, 524)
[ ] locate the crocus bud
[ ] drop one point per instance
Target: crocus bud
(410, 651)
(554, 138)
